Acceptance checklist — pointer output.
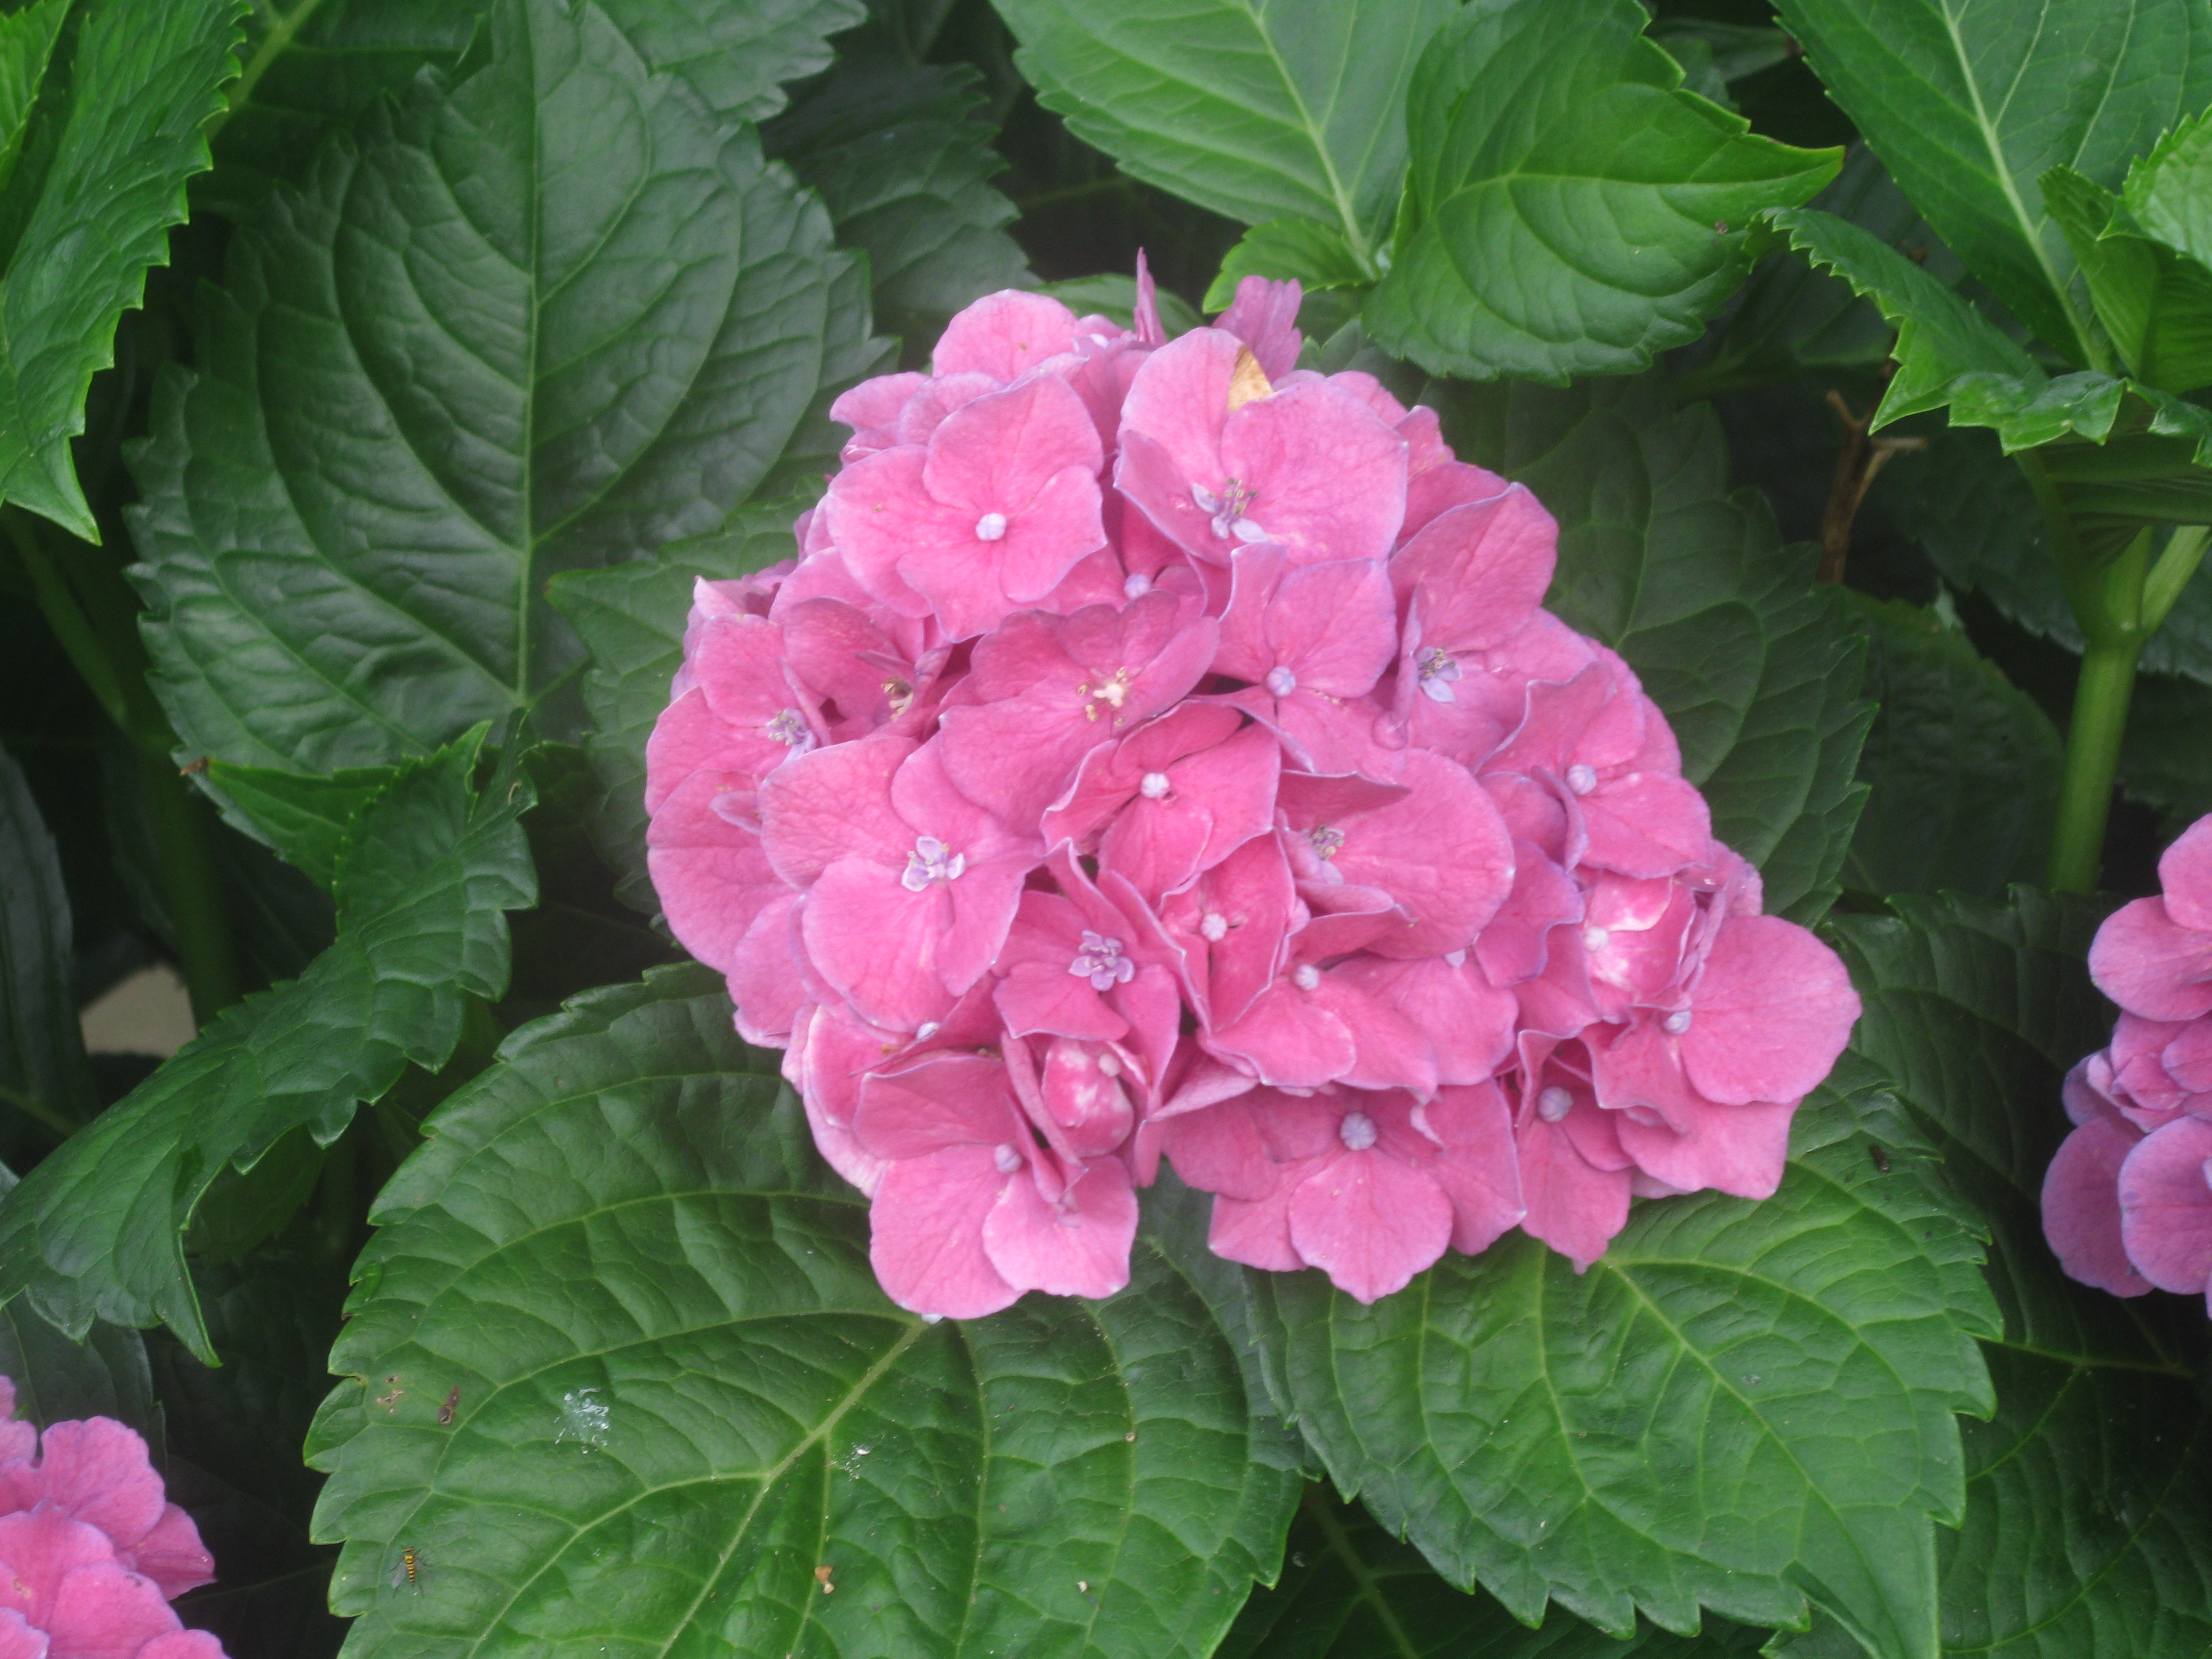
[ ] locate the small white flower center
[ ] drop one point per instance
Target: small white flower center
(789, 729)
(1214, 926)
(1007, 1159)
(1306, 977)
(1229, 509)
(1357, 1131)
(991, 527)
(1138, 585)
(931, 860)
(1152, 785)
(1581, 779)
(1677, 1022)
(1109, 1065)
(1327, 841)
(1101, 962)
(1280, 682)
(1438, 669)
(1554, 1103)
(927, 1029)
(1594, 940)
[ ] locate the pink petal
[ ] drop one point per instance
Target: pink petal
(2166, 1206)
(2151, 964)
(1515, 944)
(1079, 1246)
(1264, 315)
(1772, 1012)
(834, 804)
(943, 1100)
(1734, 1149)
(1479, 1168)
(1289, 1039)
(2185, 871)
(1256, 1232)
(1645, 824)
(996, 453)
(926, 1239)
(1369, 1222)
(95, 1471)
(2082, 1208)
(20, 1640)
(875, 402)
(1005, 335)
(179, 1645)
(1572, 1206)
(1481, 569)
(879, 945)
(1328, 477)
(39, 1548)
(1468, 1024)
(764, 974)
(1219, 1149)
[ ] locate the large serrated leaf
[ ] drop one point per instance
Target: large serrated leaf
(1756, 670)
(318, 66)
(1963, 767)
(43, 1071)
(1970, 104)
(689, 1421)
(423, 882)
(631, 619)
(100, 181)
(2088, 1518)
(549, 316)
(1739, 1405)
(1352, 1591)
(900, 155)
(1569, 210)
(1257, 109)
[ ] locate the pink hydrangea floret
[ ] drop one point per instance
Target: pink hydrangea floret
(2127, 1202)
(1158, 750)
(91, 1551)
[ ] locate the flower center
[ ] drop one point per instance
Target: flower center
(789, 729)
(1214, 926)
(1280, 682)
(1581, 779)
(1101, 962)
(1113, 693)
(900, 693)
(1152, 785)
(1230, 510)
(931, 860)
(1677, 1022)
(1439, 668)
(1007, 1159)
(1554, 1103)
(991, 527)
(1594, 940)
(1326, 841)
(1357, 1131)
(1138, 585)
(1306, 977)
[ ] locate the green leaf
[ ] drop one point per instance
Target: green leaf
(631, 619)
(1739, 1405)
(1735, 50)
(1940, 334)
(1970, 106)
(1282, 249)
(1569, 210)
(26, 43)
(1255, 108)
(1969, 507)
(2165, 190)
(104, 1375)
(2156, 303)
(98, 183)
(319, 66)
(2089, 1496)
(1963, 769)
(304, 818)
(548, 316)
(901, 155)
(42, 1067)
(1791, 318)
(686, 1407)
(1352, 1591)
(422, 882)
(1757, 669)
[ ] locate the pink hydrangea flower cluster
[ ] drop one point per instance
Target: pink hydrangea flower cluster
(2127, 1202)
(1158, 748)
(91, 1551)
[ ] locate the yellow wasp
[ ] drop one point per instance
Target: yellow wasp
(407, 1569)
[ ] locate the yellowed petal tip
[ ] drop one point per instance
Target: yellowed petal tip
(1248, 381)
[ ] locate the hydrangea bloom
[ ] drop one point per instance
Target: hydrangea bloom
(91, 1553)
(1159, 750)
(2127, 1203)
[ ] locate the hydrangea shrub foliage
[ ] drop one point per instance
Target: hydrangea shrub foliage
(1114, 830)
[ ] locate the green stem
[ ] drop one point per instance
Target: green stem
(2093, 759)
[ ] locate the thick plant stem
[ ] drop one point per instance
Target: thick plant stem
(95, 617)
(2093, 759)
